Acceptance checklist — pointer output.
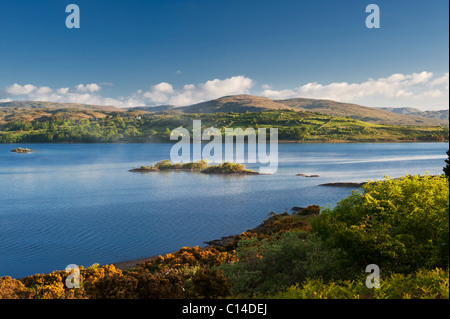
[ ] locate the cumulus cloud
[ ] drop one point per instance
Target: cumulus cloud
(396, 86)
(17, 89)
(81, 93)
(164, 93)
(92, 87)
(441, 80)
(161, 93)
(415, 89)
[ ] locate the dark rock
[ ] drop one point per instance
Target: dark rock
(221, 242)
(346, 184)
(306, 175)
(310, 210)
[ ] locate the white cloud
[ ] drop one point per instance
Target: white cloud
(62, 91)
(17, 89)
(44, 90)
(190, 93)
(441, 80)
(413, 86)
(92, 87)
(82, 93)
(415, 90)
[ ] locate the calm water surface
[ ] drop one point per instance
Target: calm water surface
(78, 204)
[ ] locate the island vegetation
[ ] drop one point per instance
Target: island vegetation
(200, 166)
(21, 150)
(399, 224)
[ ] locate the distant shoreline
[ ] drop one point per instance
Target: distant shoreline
(279, 142)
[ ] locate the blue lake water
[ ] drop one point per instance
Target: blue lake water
(78, 203)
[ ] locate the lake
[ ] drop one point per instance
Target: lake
(78, 203)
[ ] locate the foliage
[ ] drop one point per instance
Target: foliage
(78, 126)
(227, 168)
(446, 168)
(139, 285)
(210, 283)
(399, 224)
(423, 284)
(187, 257)
(14, 289)
(265, 265)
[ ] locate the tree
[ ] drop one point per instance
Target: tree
(399, 224)
(446, 168)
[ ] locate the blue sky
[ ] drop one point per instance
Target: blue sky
(180, 52)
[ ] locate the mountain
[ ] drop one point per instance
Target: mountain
(243, 103)
(159, 108)
(358, 112)
(57, 105)
(235, 103)
(441, 114)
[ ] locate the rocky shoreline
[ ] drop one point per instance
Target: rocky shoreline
(308, 211)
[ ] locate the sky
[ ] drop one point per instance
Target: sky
(136, 52)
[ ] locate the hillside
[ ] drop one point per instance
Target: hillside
(159, 108)
(57, 105)
(243, 103)
(236, 104)
(358, 112)
(249, 103)
(441, 114)
(18, 125)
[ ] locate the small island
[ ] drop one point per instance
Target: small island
(306, 175)
(344, 184)
(199, 166)
(21, 150)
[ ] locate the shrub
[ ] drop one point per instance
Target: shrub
(160, 285)
(210, 283)
(165, 164)
(115, 286)
(14, 289)
(423, 284)
(265, 265)
(187, 257)
(399, 224)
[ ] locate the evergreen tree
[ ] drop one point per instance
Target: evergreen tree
(446, 168)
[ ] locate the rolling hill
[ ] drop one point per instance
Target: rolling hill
(250, 103)
(358, 112)
(441, 114)
(58, 105)
(236, 104)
